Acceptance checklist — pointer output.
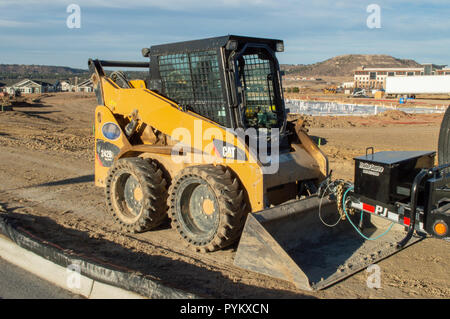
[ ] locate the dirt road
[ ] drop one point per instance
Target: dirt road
(46, 169)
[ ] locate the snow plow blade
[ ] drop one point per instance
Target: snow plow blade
(291, 243)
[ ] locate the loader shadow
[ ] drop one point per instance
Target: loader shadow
(27, 108)
(38, 114)
(25, 104)
(176, 273)
(68, 181)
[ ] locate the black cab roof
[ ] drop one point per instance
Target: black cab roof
(208, 44)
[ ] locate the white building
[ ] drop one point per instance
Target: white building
(28, 86)
(86, 86)
(444, 71)
(375, 78)
(63, 86)
(348, 85)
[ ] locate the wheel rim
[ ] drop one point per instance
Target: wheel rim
(199, 209)
(133, 195)
(129, 196)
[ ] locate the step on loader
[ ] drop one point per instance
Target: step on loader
(204, 140)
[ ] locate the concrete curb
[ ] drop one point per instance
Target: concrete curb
(59, 275)
(91, 278)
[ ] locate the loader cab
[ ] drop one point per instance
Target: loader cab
(231, 80)
(256, 86)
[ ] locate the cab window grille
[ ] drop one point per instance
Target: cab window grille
(256, 76)
(193, 80)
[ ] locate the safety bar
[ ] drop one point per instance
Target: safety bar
(125, 64)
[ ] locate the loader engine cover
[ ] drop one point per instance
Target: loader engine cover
(387, 177)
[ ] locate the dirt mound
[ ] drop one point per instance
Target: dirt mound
(329, 121)
(384, 119)
(395, 115)
(323, 121)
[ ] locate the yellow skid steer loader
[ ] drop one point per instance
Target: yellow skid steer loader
(205, 141)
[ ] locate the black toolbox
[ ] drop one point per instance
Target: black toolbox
(387, 176)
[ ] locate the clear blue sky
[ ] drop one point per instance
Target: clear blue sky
(35, 32)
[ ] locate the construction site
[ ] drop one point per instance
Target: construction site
(99, 182)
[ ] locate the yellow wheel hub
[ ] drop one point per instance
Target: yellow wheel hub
(138, 194)
(208, 206)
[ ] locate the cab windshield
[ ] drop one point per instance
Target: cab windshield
(261, 100)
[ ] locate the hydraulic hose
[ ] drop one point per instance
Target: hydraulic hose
(356, 227)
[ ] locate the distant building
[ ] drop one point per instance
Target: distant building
(86, 86)
(444, 71)
(28, 86)
(348, 85)
(375, 78)
(432, 69)
(63, 86)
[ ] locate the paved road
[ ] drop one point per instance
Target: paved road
(16, 283)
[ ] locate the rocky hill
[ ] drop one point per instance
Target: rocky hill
(344, 65)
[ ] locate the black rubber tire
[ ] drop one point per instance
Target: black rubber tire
(444, 139)
(229, 197)
(151, 209)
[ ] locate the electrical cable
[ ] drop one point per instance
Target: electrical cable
(354, 226)
(332, 191)
(320, 208)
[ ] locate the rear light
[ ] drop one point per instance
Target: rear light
(280, 46)
(440, 228)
